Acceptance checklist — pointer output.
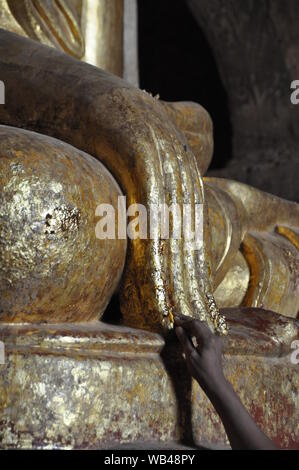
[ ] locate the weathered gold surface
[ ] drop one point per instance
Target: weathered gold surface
(292, 234)
(54, 23)
(197, 126)
(91, 30)
(258, 211)
(233, 288)
(225, 229)
(137, 138)
(274, 273)
(102, 28)
(52, 266)
(65, 24)
(85, 385)
(131, 133)
(265, 228)
(95, 385)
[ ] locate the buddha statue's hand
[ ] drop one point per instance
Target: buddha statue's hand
(147, 147)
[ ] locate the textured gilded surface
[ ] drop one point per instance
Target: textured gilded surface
(233, 210)
(95, 385)
(225, 229)
(103, 30)
(87, 385)
(197, 126)
(91, 30)
(274, 273)
(265, 229)
(54, 23)
(131, 133)
(292, 234)
(232, 289)
(52, 266)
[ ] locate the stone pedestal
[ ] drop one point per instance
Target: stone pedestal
(97, 386)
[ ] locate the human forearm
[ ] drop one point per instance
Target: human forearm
(242, 431)
(203, 354)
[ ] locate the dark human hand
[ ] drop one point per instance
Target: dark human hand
(203, 352)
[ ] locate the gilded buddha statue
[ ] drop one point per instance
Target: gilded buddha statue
(74, 136)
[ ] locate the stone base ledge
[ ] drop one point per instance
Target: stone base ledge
(87, 385)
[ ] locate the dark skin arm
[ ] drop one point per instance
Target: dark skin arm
(205, 365)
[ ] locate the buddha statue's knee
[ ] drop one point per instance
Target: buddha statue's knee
(53, 268)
